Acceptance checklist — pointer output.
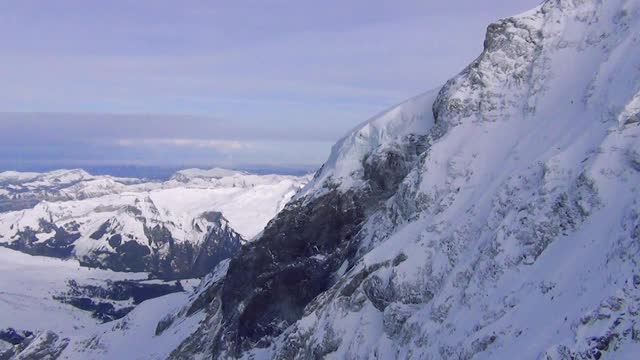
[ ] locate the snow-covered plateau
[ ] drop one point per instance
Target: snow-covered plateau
(495, 217)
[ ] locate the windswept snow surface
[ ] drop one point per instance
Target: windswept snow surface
(29, 283)
(345, 164)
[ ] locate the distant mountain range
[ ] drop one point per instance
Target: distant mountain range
(177, 228)
(155, 172)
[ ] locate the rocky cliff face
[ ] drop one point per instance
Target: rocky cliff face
(481, 221)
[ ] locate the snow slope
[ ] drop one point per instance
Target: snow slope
(30, 283)
(345, 164)
(21, 190)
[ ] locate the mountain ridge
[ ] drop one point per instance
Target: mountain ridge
(177, 228)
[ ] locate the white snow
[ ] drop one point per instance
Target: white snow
(133, 337)
(28, 284)
(248, 202)
(344, 166)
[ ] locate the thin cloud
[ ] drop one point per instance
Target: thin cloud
(217, 144)
(219, 81)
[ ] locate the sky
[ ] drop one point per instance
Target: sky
(227, 83)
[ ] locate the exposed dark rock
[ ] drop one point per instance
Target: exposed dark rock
(395, 316)
(103, 301)
(102, 311)
(7, 204)
(183, 260)
(274, 278)
(271, 281)
(358, 278)
(482, 344)
(164, 324)
(158, 235)
(377, 292)
(29, 346)
(163, 256)
(399, 259)
(115, 240)
(102, 230)
(60, 245)
(14, 336)
(43, 346)
(129, 256)
(166, 258)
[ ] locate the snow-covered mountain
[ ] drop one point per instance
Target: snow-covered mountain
(22, 190)
(179, 228)
(496, 217)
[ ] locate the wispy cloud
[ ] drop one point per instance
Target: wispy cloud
(219, 81)
(244, 60)
(217, 144)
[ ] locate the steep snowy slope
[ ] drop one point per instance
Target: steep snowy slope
(178, 228)
(387, 132)
(497, 219)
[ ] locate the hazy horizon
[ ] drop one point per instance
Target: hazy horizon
(158, 172)
(230, 84)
